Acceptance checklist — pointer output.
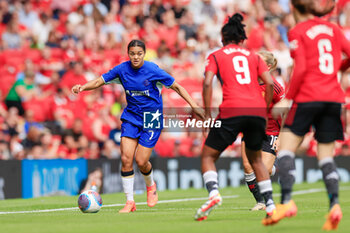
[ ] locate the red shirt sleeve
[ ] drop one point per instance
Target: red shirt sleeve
(278, 92)
(298, 53)
(211, 64)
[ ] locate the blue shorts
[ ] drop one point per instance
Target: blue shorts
(147, 138)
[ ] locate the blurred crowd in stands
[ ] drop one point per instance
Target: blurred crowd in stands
(47, 46)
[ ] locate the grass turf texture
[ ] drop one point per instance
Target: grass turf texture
(232, 216)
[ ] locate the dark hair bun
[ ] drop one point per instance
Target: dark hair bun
(236, 18)
(233, 30)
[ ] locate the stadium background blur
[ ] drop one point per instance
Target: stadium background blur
(51, 45)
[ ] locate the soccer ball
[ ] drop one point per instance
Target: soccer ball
(89, 202)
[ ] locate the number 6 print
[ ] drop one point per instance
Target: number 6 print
(326, 59)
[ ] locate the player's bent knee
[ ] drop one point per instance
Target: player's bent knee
(209, 153)
(141, 162)
(126, 160)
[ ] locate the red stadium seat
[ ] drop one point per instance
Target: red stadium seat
(56, 53)
(32, 54)
(14, 58)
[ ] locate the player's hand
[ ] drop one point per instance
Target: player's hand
(199, 112)
(281, 108)
(205, 131)
(76, 89)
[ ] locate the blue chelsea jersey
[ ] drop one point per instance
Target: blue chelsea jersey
(142, 87)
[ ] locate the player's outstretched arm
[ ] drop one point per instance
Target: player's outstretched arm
(207, 92)
(91, 85)
(184, 94)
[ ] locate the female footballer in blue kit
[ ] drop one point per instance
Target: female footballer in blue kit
(142, 118)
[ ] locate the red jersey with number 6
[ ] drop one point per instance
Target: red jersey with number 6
(238, 70)
(316, 46)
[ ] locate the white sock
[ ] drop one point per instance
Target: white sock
(149, 179)
(265, 188)
(128, 187)
(249, 176)
(211, 182)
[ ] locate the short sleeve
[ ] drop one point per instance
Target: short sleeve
(278, 92)
(112, 76)
(262, 67)
(163, 77)
(211, 64)
(294, 43)
(298, 53)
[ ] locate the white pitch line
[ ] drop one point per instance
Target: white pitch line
(172, 201)
(300, 192)
(113, 205)
(39, 211)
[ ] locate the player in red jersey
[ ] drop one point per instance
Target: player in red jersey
(270, 143)
(316, 96)
(243, 110)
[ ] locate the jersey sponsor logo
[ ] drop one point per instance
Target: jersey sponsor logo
(313, 32)
(236, 50)
(151, 120)
(137, 93)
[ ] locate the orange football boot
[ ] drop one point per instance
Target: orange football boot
(203, 212)
(333, 218)
(282, 211)
(130, 206)
(152, 195)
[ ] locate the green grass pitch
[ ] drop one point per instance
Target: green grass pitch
(232, 216)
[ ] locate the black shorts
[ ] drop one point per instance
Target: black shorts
(252, 127)
(323, 116)
(268, 144)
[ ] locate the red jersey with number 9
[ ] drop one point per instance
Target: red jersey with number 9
(238, 70)
(316, 46)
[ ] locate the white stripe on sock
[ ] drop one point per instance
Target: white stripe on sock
(325, 160)
(283, 153)
(249, 177)
(210, 176)
(265, 186)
